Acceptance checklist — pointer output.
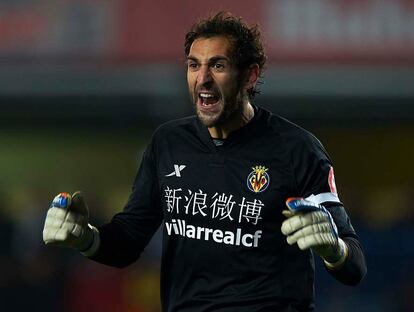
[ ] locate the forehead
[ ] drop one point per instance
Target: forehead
(205, 48)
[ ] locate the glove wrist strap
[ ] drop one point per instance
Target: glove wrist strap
(95, 242)
(344, 254)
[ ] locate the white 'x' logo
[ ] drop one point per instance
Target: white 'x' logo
(177, 171)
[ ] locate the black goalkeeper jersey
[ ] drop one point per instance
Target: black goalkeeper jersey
(220, 208)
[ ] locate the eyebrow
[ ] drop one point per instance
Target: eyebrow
(211, 60)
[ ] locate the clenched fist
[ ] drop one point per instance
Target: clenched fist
(66, 224)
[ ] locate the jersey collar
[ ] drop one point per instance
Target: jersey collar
(249, 130)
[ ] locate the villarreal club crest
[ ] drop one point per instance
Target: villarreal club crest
(258, 180)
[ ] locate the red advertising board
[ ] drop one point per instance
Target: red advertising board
(323, 31)
(341, 30)
(155, 29)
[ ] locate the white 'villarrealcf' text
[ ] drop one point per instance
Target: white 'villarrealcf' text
(179, 227)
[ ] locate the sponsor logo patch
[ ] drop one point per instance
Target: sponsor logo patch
(258, 180)
(177, 171)
(331, 181)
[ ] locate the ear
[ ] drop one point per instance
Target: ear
(252, 75)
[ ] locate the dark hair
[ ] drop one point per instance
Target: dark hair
(247, 46)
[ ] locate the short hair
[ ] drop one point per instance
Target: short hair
(247, 45)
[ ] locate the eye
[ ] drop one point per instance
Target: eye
(218, 66)
(192, 65)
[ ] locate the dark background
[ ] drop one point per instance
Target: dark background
(84, 83)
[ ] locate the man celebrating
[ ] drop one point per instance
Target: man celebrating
(244, 196)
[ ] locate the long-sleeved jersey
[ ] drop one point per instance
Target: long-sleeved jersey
(220, 208)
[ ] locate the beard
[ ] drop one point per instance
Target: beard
(227, 106)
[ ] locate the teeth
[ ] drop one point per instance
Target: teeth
(206, 95)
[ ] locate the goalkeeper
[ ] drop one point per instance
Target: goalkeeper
(245, 198)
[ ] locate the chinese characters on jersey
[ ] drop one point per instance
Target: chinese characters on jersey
(218, 206)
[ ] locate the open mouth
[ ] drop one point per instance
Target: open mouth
(208, 99)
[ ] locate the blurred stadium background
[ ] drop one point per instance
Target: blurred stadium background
(83, 83)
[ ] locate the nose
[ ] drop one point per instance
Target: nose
(204, 75)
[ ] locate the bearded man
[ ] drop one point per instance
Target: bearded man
(245, 198)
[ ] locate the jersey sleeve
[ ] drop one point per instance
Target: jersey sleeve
(315, 181)
(313, 172)
(123, 239)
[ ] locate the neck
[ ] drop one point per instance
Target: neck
(235, 122)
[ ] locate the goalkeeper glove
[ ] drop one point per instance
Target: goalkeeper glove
(311, 226)
(66, 224)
